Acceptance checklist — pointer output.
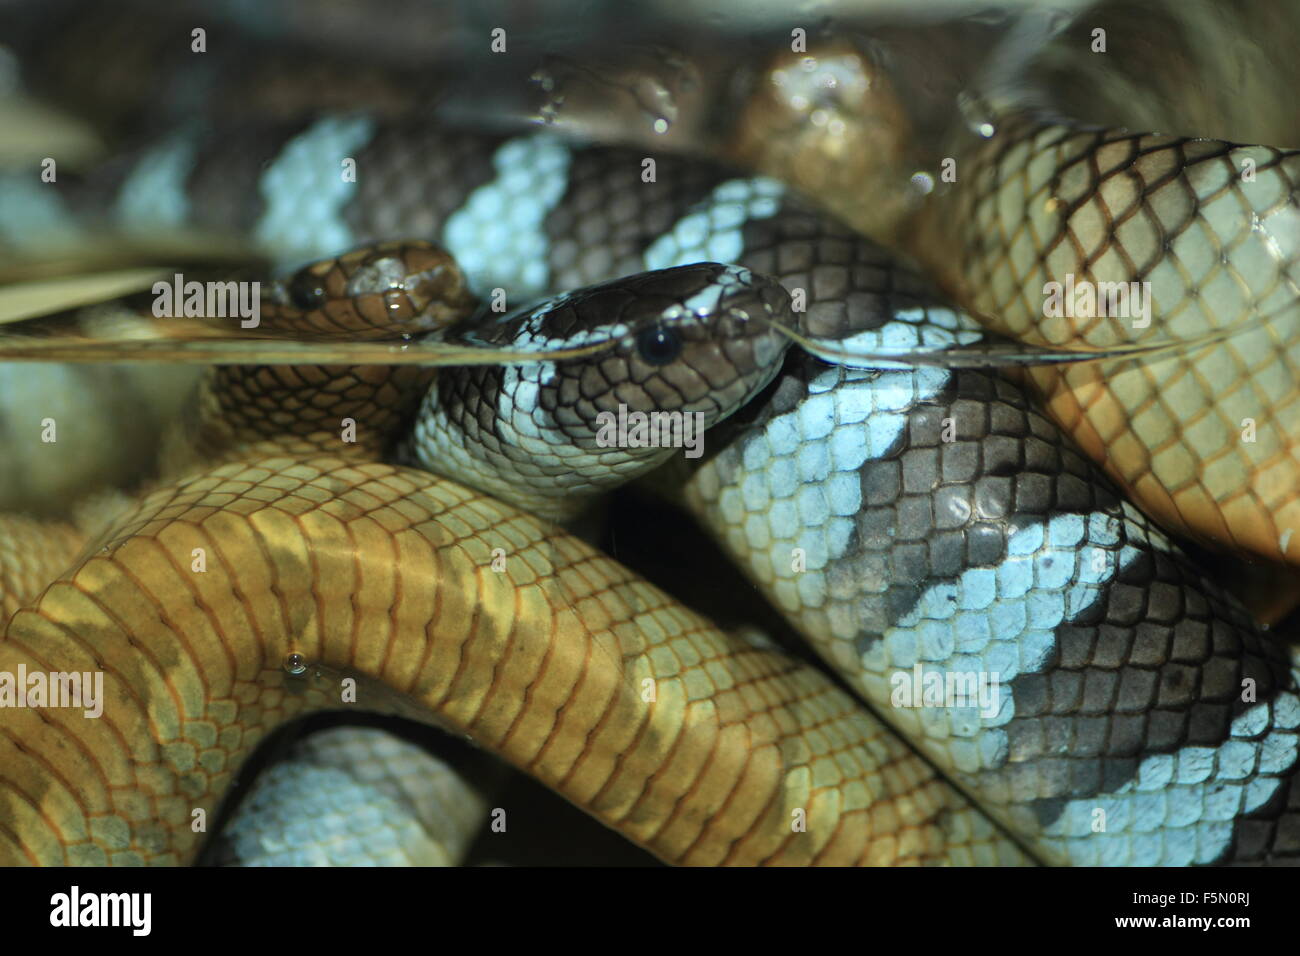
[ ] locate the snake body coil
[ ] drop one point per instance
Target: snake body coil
(903, 520)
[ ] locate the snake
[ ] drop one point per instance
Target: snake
(552, 677)
(1142, 698)
(1204, 439)
(1197, 422)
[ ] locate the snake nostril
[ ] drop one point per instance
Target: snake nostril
(658, 345)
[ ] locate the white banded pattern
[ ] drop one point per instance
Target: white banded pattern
(801, 473)
(801, 487)
(798, 485)
(498, 237)
(998, 621)
(354, 796)
(33, 216)
(154, 195)
(1179, 809)
(713, 231)
(305, 191)
(519, 409)
(914, 332)
(522, 423)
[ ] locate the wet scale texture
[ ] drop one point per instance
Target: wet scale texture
(1000, 552)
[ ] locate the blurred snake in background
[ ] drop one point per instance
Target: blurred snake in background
(902, 518)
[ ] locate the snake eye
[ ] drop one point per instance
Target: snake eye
(306, 291)
(658, 345)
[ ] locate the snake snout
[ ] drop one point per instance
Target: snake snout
(412, 281)
(384, 290)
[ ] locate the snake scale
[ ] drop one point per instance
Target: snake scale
(901, 518)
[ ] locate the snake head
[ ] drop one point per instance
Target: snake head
(385, 290)
(643, 366)
(698, 339)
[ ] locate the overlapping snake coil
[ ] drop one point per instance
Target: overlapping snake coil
(1115, 705)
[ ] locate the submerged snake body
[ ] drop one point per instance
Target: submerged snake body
(1120, 731)
(547, 663)
(385, 575)
(998, 552)
(1137, 715)
(1205, 438)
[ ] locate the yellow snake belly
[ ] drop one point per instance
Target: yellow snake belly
(701, 747)
(389, 577)
(244, 596)
(1156, 241)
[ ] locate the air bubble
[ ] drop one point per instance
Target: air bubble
(295, 664)
(977, 113)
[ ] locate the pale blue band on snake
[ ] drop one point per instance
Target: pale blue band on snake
(929, 522)
(937, 519)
